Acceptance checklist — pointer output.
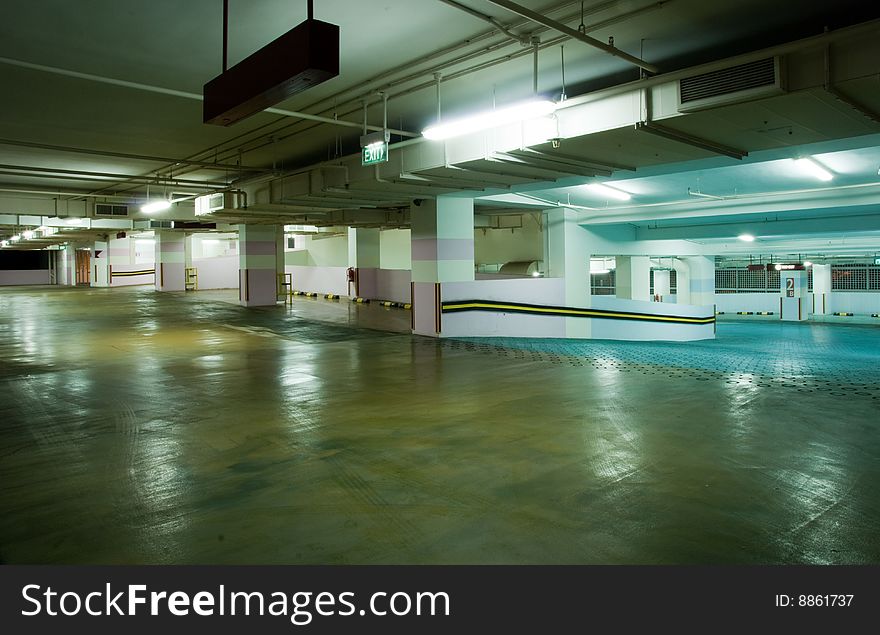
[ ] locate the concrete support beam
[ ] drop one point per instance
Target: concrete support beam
(170, 261)
(442, 251)
(821, 288)
(633, 277)
(702, 280)
(100, 274)
(258, 264)
(568, 257)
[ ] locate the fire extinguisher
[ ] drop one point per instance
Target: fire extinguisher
(351, 276)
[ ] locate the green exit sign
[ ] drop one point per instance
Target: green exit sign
(375, 153)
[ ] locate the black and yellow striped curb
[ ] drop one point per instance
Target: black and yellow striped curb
(361, 300)
(843, 314)
(765, 313)
(331, 296)
(396, 305)
(128, 274)
(540, 309)
(744, 313)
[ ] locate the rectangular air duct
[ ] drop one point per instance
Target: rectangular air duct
(210, 203)
(303, 57)
(108, 209)
(744, 82)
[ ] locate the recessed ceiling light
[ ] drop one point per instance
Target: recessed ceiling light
(748, 238)
(810, 167)
(609, 191)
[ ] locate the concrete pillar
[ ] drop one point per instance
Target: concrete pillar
(100, 274)
(442, 251)
(661, 284)
(66, 266)
(170, 261)
(568, 257)
(682, 281)
(258, 263)
(364, 257)
(702, 280)
(793, 296)
(633, 278)
(821, 289)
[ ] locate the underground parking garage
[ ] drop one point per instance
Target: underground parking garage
(548, 284)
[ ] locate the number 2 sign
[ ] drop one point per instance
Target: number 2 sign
(789, 287)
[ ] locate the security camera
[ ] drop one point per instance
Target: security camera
(418, 202)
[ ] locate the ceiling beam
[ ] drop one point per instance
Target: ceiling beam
(691, 140)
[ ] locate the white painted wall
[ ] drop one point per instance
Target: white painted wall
(326, 252)
(11, 277)
(395, 251)
(634, 330)
(318, 279)
(131, 281)
(549, 291)
(385, 284)
(217, 273)
(853, 302)
(214, 245)
(733, 302)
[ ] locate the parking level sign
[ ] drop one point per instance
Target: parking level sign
(789, 287)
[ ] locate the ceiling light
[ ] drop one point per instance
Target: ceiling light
(490, 119)
(73, 221)
(4, 243)
(611, 192)
(155, 206)
(811, 168)
(15, 238)
(746, 238)
(28, 234)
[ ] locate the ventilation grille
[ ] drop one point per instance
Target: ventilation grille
(106, 209)
(729, 85)
(161, 224)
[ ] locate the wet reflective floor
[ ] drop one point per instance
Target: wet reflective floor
(140, 427)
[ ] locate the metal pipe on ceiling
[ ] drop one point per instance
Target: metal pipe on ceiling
(488, 18)
(127, 155)
(417, 139)
(575, 34)
(180, 93)
(488, 64)
(157, 180)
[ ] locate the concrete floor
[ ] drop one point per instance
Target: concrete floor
(140, 427)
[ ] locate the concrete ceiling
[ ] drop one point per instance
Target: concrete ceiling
(122, 78)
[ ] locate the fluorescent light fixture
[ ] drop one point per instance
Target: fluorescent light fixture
(536, 274)
(490, 119)
(4, 243)
(811, 168)
(747, 238)
(28, 234)
(15, 238)
(608, 191)
(73, 221)
(155, 206)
